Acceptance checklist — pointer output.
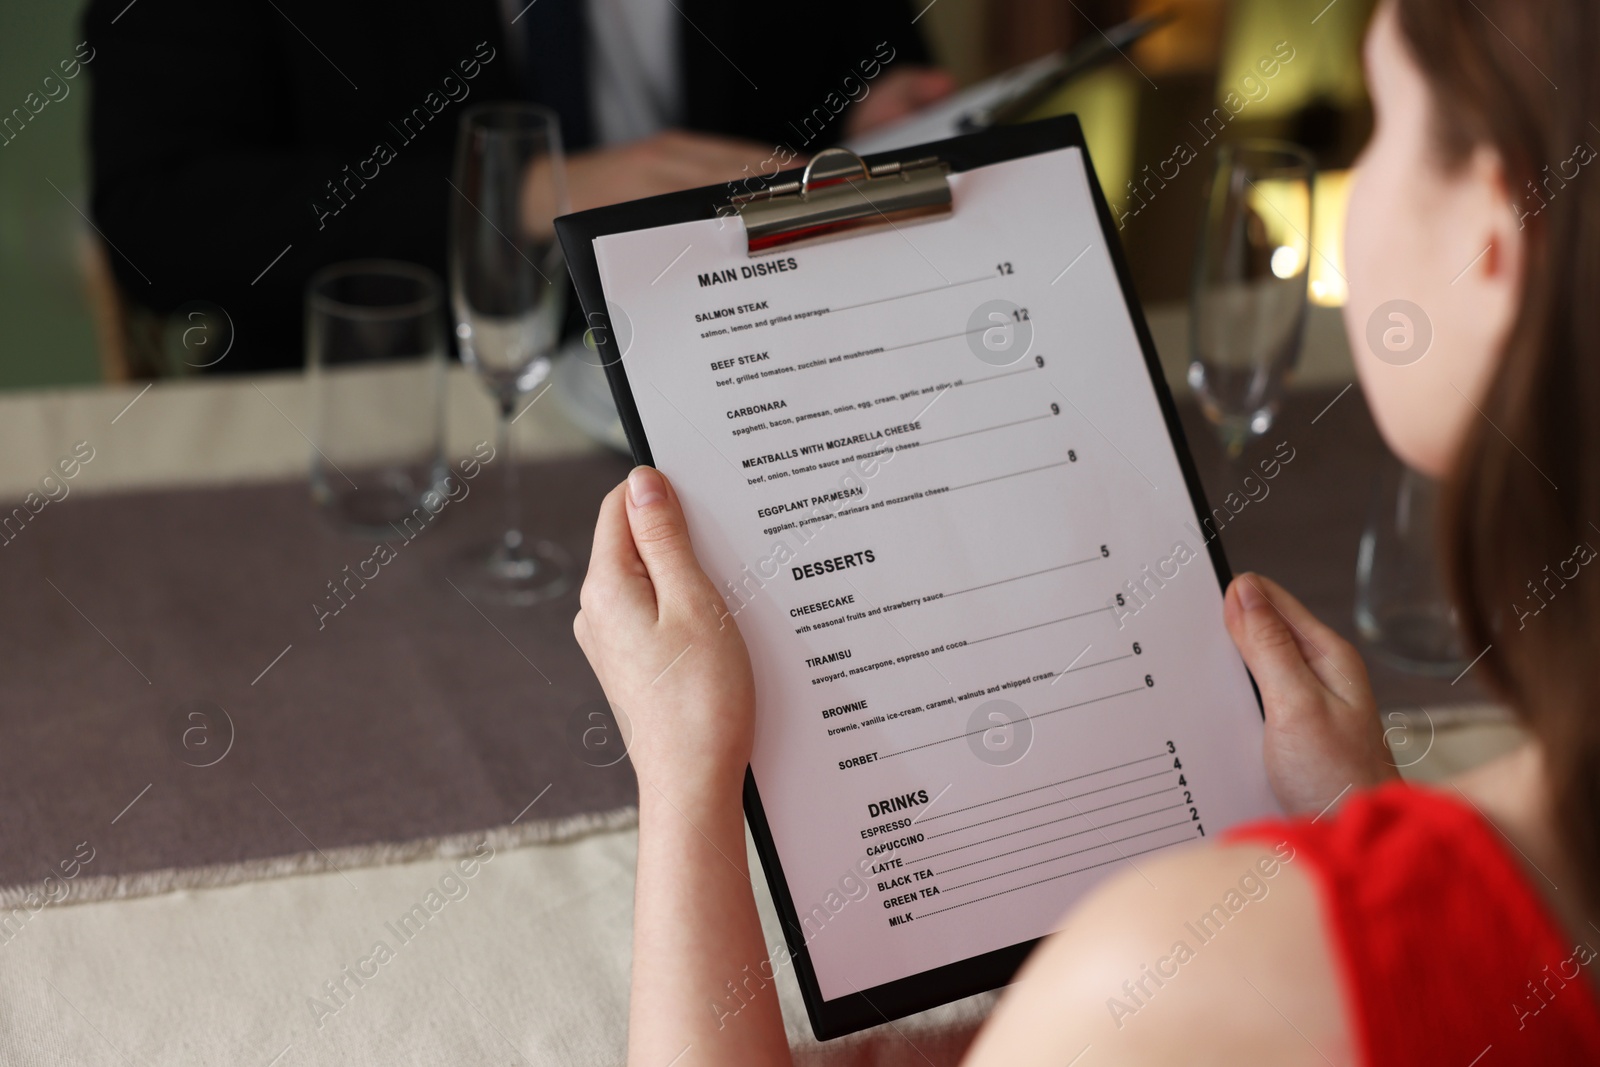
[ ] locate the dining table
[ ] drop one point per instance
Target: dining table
(239, 827)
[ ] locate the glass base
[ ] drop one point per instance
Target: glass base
(1419, 640)
(513, 574)
(388, 496)
(1237, 431)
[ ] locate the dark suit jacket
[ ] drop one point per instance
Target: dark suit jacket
(223, 133)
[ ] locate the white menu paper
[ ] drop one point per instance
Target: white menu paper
(928, 468)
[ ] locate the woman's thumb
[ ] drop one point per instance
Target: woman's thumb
(660, 531)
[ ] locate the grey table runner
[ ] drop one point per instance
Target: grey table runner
(171, 697)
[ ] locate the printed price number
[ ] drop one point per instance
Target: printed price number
(1183, 781)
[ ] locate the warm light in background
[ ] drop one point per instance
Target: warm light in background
(1325, 65)
(1328, 288)
(1285, 261)
(1278, 202)
(1280, 208)
(1188, 43)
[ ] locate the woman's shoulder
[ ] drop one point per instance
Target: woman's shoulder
(1215, 953)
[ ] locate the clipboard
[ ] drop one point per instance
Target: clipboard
(835, 197)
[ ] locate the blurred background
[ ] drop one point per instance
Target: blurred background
(64, 321)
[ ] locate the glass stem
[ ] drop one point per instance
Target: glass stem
(513, 534)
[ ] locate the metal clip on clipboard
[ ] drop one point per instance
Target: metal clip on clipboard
(839, 193)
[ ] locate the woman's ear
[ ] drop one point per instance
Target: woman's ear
(1487, 293)
(1503, 216)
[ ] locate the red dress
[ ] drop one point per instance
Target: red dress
(1448, 955)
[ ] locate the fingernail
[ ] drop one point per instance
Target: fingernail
(1250, 597)
(645, 487)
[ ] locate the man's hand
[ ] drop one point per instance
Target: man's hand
(667, 653)
(668, 162)
(902, 91)
(1323, 734)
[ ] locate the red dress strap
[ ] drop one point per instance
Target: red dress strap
(1448, 954)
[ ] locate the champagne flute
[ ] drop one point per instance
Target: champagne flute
(1248, 307)
(508, 291)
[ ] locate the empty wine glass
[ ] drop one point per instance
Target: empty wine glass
(1248, 307)
(508, 289)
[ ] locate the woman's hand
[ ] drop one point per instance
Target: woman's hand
(1323, 734)
(666, 650)
(675, 669)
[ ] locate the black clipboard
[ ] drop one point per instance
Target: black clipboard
(577, 232)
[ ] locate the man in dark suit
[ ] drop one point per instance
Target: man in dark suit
(236, 148)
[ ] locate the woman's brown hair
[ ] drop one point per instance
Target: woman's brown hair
(1522, 504)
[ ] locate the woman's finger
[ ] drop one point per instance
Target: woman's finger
(1330, 656)
(1269, 648)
